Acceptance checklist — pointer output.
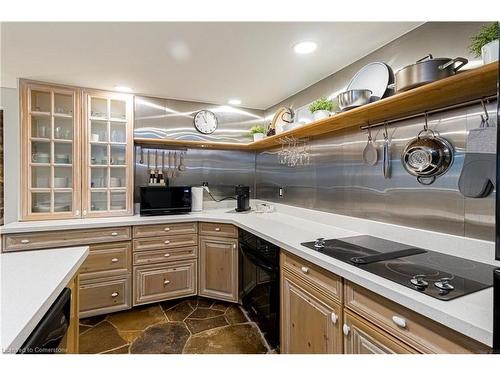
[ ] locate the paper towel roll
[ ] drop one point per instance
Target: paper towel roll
(196, 199)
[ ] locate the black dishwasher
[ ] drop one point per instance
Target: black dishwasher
(48, 334)
(259, 283)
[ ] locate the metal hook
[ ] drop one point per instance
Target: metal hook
(426, 125)
(386, 134)
(486, 117)
(369, 133)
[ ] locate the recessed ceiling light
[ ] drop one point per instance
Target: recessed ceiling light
(122, 88)
(305, 47)
(234, 101)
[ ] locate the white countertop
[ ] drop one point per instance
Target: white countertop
(471, 315)
(31, 282)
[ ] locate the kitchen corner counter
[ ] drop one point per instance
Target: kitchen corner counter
(31, 282)
(288, 227)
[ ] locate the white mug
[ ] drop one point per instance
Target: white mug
(94, 137)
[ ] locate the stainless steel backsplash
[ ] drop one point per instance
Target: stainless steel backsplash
(168, 118)
(222, 169)
(338, 181)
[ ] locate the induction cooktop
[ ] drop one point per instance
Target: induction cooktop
(436, 274)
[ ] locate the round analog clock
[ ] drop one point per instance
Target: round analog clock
(205, 122)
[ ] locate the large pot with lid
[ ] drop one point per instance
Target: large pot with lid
(427, 69)
(427, 156)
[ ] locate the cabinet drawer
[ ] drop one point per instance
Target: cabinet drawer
(165, 255)
(107, 260)
(164, 229)
(417, 331)
(161, 282)
(218, 230)
(165, 242)
(104, 295)
(322, 283)
(77, 237)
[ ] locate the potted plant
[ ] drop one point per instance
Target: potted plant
(485, 43)
(258, 132)
(321, 108)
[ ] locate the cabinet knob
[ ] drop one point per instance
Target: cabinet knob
(84, 212)
(346, 329)
(25, 241)
(217, 229)
(114, 294)
(166, 229)
(166, 255)
(334, 317)
(114, 260)
(166, 282)
(114, 234)
(166, 242)
(77, 213)
(305, 269)
(399, 321)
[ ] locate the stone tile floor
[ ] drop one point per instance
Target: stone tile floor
(192, 326)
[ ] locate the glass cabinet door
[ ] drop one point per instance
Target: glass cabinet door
(50, 152)
(107, 185)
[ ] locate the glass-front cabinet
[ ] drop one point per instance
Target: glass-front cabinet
(50, 151)
(107, 175)
(77, 152)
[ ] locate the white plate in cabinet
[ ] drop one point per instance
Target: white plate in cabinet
(141, 231)
(165, 242)
(165, 281)
(219, 268)
(102, 296)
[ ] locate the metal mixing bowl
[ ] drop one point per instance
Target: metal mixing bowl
(353, 98)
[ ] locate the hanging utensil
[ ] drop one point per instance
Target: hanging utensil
(370, 154)
(175, 170)
(182, 167)
(387, 154)
(169, 171)
(141, 153)
(427, 156)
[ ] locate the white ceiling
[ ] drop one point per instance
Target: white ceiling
(210, 62)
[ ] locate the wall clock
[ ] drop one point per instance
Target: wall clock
(205, 121)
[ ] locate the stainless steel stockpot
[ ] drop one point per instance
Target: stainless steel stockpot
(427, 69)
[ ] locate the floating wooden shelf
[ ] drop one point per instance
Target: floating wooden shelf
(193, 144)
(463, 87)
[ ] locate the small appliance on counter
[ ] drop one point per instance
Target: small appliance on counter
(197, 198)
(165, 200)
(242, 198)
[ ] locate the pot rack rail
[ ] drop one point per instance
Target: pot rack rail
(482, 101)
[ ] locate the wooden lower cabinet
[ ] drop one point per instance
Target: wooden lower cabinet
(218, 273)
(105, 295)
(165, 281)
(361, 337)
(309, 325)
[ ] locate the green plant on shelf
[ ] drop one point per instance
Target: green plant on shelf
(321, 104)
(257, 129)
(487, 34)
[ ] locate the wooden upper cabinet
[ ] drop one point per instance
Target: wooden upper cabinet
(309, 325)
(50, 151)
(218, 273)
(107, 154)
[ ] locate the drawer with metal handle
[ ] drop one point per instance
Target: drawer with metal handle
(165, 242)
(218, 230)
(107, 260)
(65, 238)
(164, 255)
(421, 333)
(104, 295)
(146, 231)
(324, 282)
(165, 281)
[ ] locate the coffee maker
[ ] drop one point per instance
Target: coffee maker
(242, 198)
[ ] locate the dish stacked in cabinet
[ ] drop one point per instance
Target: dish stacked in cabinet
(165, 262)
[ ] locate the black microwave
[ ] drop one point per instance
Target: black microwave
(165, 200)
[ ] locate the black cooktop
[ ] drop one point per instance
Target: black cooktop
(438, 275)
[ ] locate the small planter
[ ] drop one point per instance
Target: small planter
(489, 52)
(321, 114)
(258, 137)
